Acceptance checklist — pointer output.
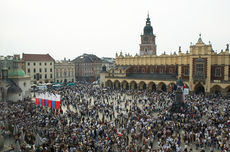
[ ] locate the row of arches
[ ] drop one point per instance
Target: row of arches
(141, 85)
(214, 90)
(162, 86)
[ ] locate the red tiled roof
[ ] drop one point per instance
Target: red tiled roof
(37, 57)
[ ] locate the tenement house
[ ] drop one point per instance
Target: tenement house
(64, 71)
(40, 67)
(87, 67)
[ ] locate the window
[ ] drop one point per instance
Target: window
(40, 63)
(28, 63)
(161, 70)
(50, 69)
(40, 70)
(134, 70)
(35, 76)
(200, 69)
(45, 70)
(34, 63)
(120, 71)
(218, 72)
(51, 76)
(34, 70)
(69, 73)
(45, 76)
(45, 63)
(50, 63)
(40, 76)
(170, 70)
(28, 70)
(143, 70)
(152, 70)
(186, 71)
(60, 74)
(57, 74)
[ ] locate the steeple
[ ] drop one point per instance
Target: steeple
(148, 22)
(148, 46)
(148, 30)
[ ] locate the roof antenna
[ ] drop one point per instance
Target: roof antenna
(148, 14)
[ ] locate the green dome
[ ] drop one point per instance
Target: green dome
(16, 73)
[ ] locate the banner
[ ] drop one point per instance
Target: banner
(48, 100)
(186, 91)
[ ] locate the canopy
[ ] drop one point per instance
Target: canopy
(70, 84)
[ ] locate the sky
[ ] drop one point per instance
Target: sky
(69, 28)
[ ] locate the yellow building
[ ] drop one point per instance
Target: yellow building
(201, 69)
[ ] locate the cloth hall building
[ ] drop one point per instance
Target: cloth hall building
(201, 69)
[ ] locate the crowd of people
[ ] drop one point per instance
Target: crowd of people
(94, 119)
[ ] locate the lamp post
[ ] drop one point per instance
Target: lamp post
(34, 86)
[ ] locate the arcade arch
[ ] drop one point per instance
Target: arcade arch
(199, 89)
(125, 84)
(216, 89)
(162, 87)
(117, 84)
(142, 85)
(109, 83)
(152, 86)
(133, 85)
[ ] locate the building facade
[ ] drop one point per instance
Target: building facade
(10, 62)
(15, 85)
(148, 45)
(40, 67)
(202, 69)
(87, 67)
(64, 71)
(108, 62)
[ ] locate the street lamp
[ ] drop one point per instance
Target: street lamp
(34, 86)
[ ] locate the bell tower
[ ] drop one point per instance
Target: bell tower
(148, 46)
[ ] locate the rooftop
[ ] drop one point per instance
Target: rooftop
(37, 57)
(88, 58)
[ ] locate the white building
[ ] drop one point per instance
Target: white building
(40, 67)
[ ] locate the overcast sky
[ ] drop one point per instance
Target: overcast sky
(69, 28)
